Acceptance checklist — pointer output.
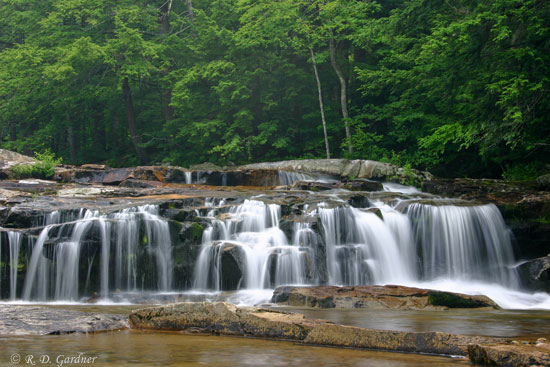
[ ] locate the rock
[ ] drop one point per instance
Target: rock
(390, 296)
(34, 320)
(94, 166)
(9, 159)
(543, 182)
(226, 319)
(363, 185)
(344, 168)
(537, 273)
(510, 355)
(206, 166)
(81, 192)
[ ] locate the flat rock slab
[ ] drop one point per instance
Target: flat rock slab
(36, 320)
(221, 318)
(389, 296)
(520, 355)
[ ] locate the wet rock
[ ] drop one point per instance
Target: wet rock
(34, 320)
(522, 355)
(226, 319)
(216, 317)
(537, 273)
(394, 297)
(82, 192)
(363, 185)
(315, 186)
(543, 182)
(94, 166)
(233, 265)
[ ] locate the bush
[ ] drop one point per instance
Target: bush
(43, 168)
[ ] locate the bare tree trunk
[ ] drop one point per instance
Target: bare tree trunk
(321, 107)
(13, 131)
(165, 29)
(72, 140)
(191, 15)
(190, 11)
(165, 18)
(132, 120)
(343, 93)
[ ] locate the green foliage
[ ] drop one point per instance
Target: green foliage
(43, 168)
(523, 172)
(460, 87)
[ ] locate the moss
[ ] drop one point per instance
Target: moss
(196, 231)
(452, 300)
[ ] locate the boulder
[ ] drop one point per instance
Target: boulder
(510, 355)
(344, 168)
(537, 273)
(222, 318)
(9, 159)
(34, 320)
(389, 296)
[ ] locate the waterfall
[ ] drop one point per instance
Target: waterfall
(463, 242)
(364, 249)
(188, 178)
(253, 245)
(14, 242)
(250, 234)
(55, 273)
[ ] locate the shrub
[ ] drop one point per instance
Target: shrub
(43, 168)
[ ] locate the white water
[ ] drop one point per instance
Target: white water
(57, 275)
(394, 187)
(252, 230)
(464, 249)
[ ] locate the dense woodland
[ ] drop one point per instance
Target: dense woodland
(460, 87)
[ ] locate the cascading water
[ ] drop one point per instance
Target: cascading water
(249, 246)
(363, 249)
(54, 271)
(463, 242)
(250, 234)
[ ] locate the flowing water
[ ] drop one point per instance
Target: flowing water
(250, 246)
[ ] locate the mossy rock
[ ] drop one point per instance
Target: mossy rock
(452, 300)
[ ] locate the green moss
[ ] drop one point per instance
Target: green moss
(452, 300)
(196, 231)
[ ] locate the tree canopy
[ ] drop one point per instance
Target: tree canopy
(457, 87)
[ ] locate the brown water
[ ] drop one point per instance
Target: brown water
(129, 348)
(488, 322)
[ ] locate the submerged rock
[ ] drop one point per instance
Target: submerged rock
(222, 318)
(522, 355)
(390, 296)
(35, 320)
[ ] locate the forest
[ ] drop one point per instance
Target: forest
(458, 87)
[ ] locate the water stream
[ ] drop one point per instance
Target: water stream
(249, 246)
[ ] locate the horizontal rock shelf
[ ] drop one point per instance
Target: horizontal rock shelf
(34, 320)
(222, 318)
(390, 296)
(510, 355)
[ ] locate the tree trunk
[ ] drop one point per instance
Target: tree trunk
(321, 107)
(13, 131)
(132, 120)
(343, 93)
(191, 15)
(72, 141)
(165, 18)
(190, 11)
